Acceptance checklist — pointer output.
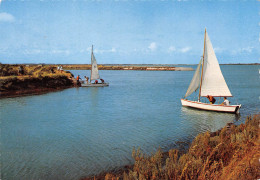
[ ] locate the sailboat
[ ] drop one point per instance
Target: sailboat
(94, 74)
(209, 82)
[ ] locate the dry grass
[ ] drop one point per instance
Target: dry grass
(232, 153)
(35, 78)
(12, 71)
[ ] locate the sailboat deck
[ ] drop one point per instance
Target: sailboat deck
(95, 85)
(210, 107)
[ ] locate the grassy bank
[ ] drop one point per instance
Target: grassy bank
(230, 153)
(32, 79)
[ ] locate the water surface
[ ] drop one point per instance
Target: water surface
(82, 131)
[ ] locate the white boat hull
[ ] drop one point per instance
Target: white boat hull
(211, 107)
(95, 85)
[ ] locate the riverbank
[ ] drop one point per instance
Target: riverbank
(230, 153)
(17, 80)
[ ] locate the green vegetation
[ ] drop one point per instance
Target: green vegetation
(231, 153)
(27, 79)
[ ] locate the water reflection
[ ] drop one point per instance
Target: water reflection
(207, 120)
(94, 96)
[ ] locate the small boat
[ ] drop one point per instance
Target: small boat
(94, 74)
(209, 82)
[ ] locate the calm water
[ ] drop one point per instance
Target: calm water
(82, 131)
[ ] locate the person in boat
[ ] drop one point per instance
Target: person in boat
(102, 81)
(226, 102)
(96, 81)
(211, 99)
(78, 78)
(87, 78)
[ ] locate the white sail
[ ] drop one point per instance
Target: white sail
(195, 82)
(213, 82)
(94, 67)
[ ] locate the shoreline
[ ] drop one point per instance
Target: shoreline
(119, 171)
(37, 91)
(181, 146)
(232, 151)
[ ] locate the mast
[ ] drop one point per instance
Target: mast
(202, 63)
(91, 63)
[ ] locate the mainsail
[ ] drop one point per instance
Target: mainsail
(195, 82)
(94, 67)
(213, 82)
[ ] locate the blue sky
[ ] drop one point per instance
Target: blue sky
(127, 32)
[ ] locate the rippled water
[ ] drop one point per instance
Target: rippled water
(82, 131)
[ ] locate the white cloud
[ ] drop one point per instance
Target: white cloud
(243, 50)
(152, 46)
(59, 51)
(83, 50)
(101, 51)
(218, 50)
(32, 51)
(247, 49)
(88, 49)
(172, 49)
(42, 51)
(185, 49)
(5, 17)
(113, 50)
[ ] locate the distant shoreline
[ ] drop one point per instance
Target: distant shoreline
(129, 64)
(137, 67)
(128, 67)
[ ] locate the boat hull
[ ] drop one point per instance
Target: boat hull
(211, 107)
(95, 85)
